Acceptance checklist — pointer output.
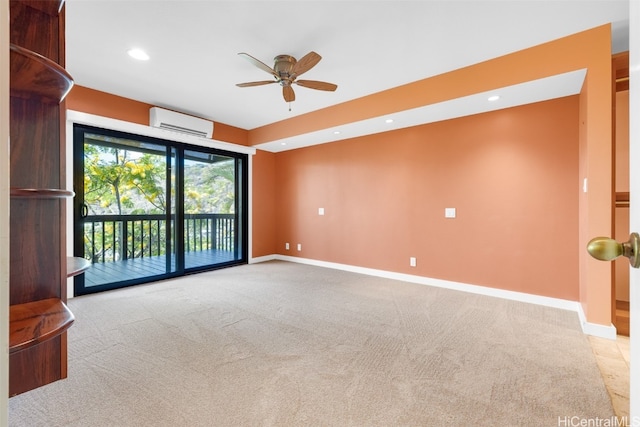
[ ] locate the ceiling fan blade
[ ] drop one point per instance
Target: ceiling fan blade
(258, 63)
(288, 94)
(314, 84)
(249, 84)
(305, 63)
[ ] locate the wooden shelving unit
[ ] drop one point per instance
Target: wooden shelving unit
(76, 265)
(39, 266)
(35, 322)
(40, 193)
(35, 76)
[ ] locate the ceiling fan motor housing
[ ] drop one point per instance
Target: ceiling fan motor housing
(283, 65)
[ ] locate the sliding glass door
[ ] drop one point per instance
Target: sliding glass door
(209, 209)
(148, 209)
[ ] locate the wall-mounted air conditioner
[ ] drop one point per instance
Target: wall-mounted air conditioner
(178, 122)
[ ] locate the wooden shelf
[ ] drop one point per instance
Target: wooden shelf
(622, 199)
(76, 265)
(37, 321)
(620, 66)
(34, 76)
(40, 193)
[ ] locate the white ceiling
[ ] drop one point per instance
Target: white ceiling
(367, 47)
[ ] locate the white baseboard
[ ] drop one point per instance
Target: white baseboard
(588, 328)
(602, 331)
(262, 259)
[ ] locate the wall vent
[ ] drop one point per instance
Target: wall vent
(178, 122)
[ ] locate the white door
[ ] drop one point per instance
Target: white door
(608, 249)
(634, 208)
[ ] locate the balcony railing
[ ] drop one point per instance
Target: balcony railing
(110, 238)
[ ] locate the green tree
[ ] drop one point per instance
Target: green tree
(209, 187)
(119, 181)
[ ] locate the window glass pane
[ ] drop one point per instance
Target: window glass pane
(209, 209)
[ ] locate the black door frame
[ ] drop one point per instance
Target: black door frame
(241, 235)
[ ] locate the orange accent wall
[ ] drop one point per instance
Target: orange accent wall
(589, 50)
(263, 204)
(116, 107)
(596, 148)
(510, 174)
(232, 134)
(104, 104)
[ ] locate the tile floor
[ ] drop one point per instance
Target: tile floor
(613, 360)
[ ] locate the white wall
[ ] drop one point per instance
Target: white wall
(4, 211)
(634, 220)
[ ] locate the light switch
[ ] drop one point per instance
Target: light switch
(449, 212)
(320, 211)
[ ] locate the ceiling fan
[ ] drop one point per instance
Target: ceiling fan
(285, 72)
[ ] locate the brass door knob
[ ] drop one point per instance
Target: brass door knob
(606, 249)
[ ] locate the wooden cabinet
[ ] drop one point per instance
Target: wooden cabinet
(38, 262)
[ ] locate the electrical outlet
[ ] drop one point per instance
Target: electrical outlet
(286, 246)
(299, 246)
(449, 212)
(412, 261)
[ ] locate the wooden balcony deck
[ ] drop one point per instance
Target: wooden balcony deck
(110, 272)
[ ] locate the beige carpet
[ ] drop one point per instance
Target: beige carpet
(282, 344)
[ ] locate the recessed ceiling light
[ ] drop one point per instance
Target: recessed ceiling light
(494, 98)
(389, 121)
(138, 54)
